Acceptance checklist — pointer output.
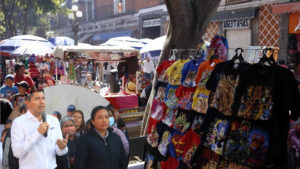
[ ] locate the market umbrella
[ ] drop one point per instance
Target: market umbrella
(9, 45)
(153, 49)
(125, 41)
(61, 41)
(35, 48)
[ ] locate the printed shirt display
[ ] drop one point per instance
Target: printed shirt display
(200, 98)
(222, 84)
(174, 72)
(189, 73)
(170, 96)
(260, 119)
(185, 96)
(162, 70)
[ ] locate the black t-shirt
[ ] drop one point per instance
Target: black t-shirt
(251, 130)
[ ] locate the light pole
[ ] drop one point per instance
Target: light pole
(75, 16)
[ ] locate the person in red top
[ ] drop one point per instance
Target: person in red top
(20, 76)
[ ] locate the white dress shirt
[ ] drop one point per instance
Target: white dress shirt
(33, 149)
(148, 67)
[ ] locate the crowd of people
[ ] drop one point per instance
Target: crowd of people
(35, 140)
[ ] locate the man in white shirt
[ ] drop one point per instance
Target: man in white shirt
(148, 68)
(34, 149)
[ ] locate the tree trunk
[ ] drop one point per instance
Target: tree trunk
(188, 22)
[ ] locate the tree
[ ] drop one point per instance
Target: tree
(188, 22)
(17, 13)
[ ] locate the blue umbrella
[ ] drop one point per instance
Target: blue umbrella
(9, 45)
(61, 41)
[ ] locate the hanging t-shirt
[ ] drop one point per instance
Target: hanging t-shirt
(162, 70)
(200, 98)
(160, 89)
(189, 73)
(192, 141)
(170, 117)
(157, 110)
(222, 84)
(185, 97)
(183, 120)
(174, 72)
(170, 96)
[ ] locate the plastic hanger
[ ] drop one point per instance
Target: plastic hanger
(173, 56)
(268, 61)
(238, 58)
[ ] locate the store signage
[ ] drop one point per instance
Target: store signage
(151, 22)
(236, 23)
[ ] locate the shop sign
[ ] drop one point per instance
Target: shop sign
(236, 23)
(294, 23)
(151, 23)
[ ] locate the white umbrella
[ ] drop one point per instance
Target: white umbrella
(153, 49)
(125, 41)
(35, 48)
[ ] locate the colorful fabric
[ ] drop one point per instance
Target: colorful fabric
(162, 70)
(174, 72)
(170, 97)
(185, 97)
(189, 73)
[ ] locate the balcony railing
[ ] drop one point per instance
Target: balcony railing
(234, 2)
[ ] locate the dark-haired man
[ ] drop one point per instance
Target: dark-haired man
(34, 149)
(20, 76)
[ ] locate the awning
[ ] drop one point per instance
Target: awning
(106, 36)
(286, 8)
(234, 14)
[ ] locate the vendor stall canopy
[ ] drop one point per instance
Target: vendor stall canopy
(100, 53)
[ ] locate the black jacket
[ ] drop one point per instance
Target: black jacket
(92, 152)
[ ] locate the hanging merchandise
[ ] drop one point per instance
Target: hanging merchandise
(200, 98)
(174, 72)
(248, 117)
(71, 70)
(219, 43)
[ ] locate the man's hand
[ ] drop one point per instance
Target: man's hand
(43, 128)
(62, 143)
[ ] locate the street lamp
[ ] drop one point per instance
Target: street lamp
(75, 16)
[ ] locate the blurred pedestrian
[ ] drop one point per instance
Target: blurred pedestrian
(100, 148)
(57, 115)
(20, 96)
(148, 69)
(8, 89)
(119, 132)
(78, 117)
(68, 129)
(37, 138)
(20, 76)
(70, 110)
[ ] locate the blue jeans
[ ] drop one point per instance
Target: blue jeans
(148, 76)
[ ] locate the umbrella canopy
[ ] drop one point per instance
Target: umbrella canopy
(9, 45)
(125, 41)
(153, 49)
(35, 48)
(61, 41)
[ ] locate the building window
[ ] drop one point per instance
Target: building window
(119, 6)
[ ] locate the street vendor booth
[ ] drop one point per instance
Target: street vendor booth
(122, 95)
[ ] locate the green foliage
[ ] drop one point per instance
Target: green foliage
(19, 15)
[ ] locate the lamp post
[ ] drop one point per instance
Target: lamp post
(75, 16)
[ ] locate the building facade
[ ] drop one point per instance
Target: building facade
(243, 22)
